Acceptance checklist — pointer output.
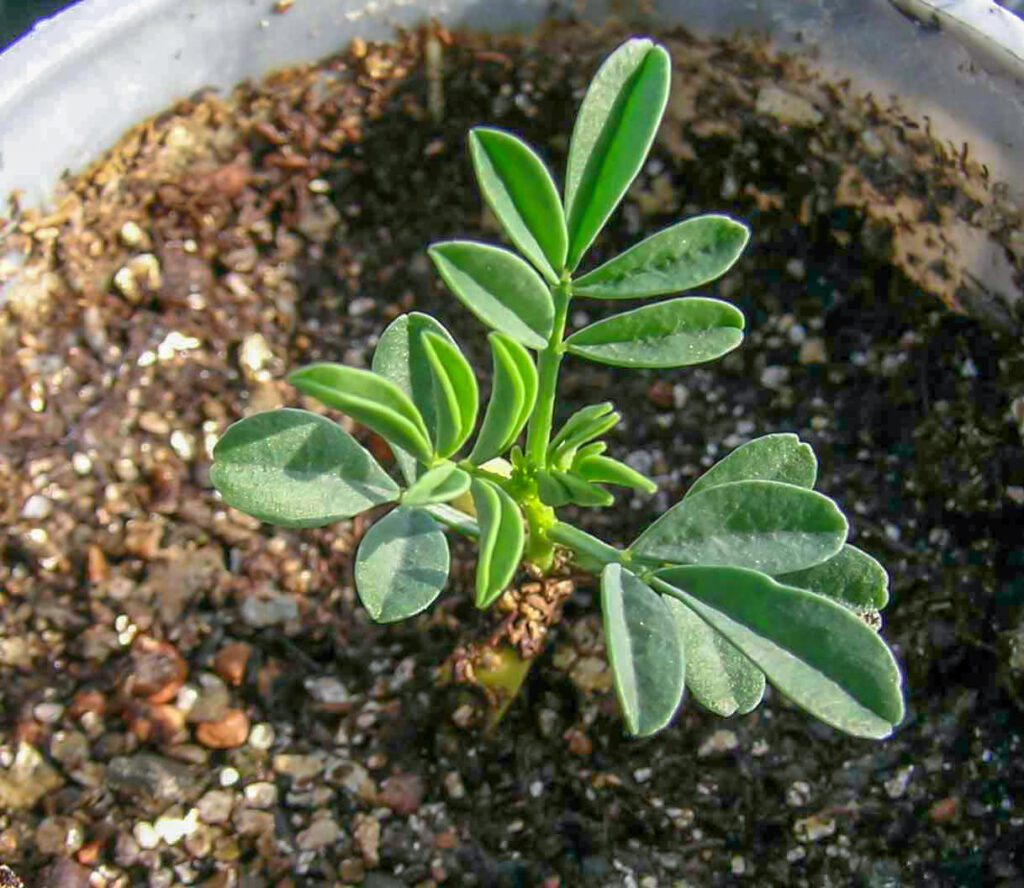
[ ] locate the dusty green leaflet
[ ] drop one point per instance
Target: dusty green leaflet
(522, 195)
(456, 396)
(401, 357)
(851, 576)
(296, 469)
(718, 675)
(440, 484)
(675, 333)
(401, 565)
(613, 132)
(501, 540)
(778, 457)
(648, 663)
(513, 396)
(764, 525)
(374, 401)
(817, 652)
(584, 425)
(499, 288)
(679, 258)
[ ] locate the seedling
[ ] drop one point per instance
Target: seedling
(748, 578)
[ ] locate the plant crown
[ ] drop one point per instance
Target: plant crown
(748, 578)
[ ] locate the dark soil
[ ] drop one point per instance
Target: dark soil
(193, 698)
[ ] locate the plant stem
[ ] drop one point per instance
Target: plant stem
(539, 433)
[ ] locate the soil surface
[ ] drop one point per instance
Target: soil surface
(192, 698)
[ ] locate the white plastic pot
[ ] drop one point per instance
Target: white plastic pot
(71, 87)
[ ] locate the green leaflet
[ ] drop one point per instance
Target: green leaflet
(499, 288)
(438, 485)
(647, 661)
(401, 357)
(780, 457)
(296, 469)
(718, 676)
(374, 401)
(501, 540)
(818, 653)
(401, 565)
(679, 258)
(583, 426)
(851, 577)
(519, 190)
(513, 395)
(611, 137)
(675, 333)
(582, 492)
(605, 470)
(551, 491)
(456, 396)
(764, 525)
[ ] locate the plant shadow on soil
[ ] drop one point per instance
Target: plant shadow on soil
(904, 401)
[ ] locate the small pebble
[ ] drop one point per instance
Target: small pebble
(320, 834)
(261, 736)
(261, 795)
(719, 743)
(47, 713)
(36, 508)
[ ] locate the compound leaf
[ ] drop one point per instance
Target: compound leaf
(501, 540)
(582, 492)
(584, 425)
(676, 333)
(779, 457)
(765, 525)
(682, 257)
(851, 576)
(718, 676)
(296, 469)
(648, 663)
(440, 484)
(815, 651)
(513, 395)
(401, 565)
(522, 195)
(611, 137)
(401, 357)
(499, 288)
(374, 401)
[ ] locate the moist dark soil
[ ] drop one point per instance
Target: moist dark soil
(193, 698)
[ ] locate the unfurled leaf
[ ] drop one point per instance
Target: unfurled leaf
(374, 401)
(580, 428)
(520, 192)
(648, 663)
(501, 540)
(456, 396)
(401, 357)
(780, 457)
(676, 333)
(679, 258)
(296, 469)
(499, 288)
(611, 137)
(402, 565)
(440, 484)
(816, 652)
(605, 470)
(718, 676)
(765, 525)
(513, 395)
(852, 577)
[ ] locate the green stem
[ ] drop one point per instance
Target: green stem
(582, 543)
(539, 433)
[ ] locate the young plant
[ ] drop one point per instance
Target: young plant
(747, 579)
